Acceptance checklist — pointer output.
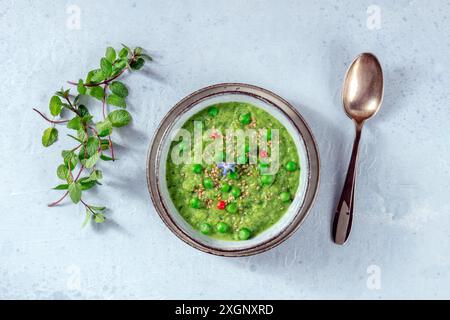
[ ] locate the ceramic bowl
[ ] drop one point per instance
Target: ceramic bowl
(274, 105)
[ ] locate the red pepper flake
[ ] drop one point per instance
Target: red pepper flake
(221, 205)
(215, 134)
(263, 154)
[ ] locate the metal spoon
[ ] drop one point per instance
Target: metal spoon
(362, 95)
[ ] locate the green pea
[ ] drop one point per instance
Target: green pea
(208, 183)
(225, 187)
(291, 166)
(245, 118)
(266, 179)
(263, 166)
(195, 203)
(205, 228)
(236, 192)
(222, 227)
(197, 168)
(285, 196)
(231, 207)
(244, 234)
(213, 111)
(233, 175)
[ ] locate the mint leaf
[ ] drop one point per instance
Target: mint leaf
(81, 134)
(85, 184)
(97, 92)
(75, 192)
(99, 218)
(92, 145)
(106, 67)
(89, 76)
(119, 118)
(105, 144)
(80, 87)
(123, 53)
(96, 75)
(98, 208)
(119, 89)
(110, 54)
(88, 149)
(83, 111)
(115, 100)
(138, 64)
(55, 105)
(127, 48)
(119, 65)
(106, 158)
(62, 172)
(82, 154)
(61, 187)
(49, 136)
(92, 160)
(87, 218)
(74, 123)
(61, 93)
(87, 118)
(95, 176)
(70, 159)
(104, 128)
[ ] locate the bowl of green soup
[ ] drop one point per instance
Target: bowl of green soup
(233, 169)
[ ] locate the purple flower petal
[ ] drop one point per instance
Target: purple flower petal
(226, 167)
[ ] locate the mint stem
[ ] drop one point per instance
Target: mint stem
(67, 192)
(59, 200)
(99, 83)
(87, 206)
(104, 117)
(51, 121)
(105, 87)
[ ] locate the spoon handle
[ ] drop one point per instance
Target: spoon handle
(343, 217)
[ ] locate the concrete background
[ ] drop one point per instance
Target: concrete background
(399, 247)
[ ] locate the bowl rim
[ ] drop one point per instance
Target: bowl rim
(154, 156)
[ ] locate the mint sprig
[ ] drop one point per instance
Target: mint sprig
(93, 138)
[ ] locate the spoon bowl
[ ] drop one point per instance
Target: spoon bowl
(362, 93)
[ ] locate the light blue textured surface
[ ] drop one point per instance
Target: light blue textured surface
(298, 49)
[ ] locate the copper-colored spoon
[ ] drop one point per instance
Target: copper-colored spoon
(362, 95)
